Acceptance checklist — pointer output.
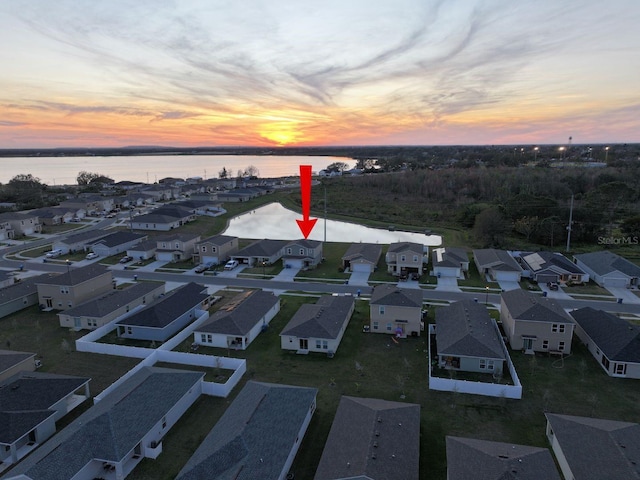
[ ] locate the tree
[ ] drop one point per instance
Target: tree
(337, 167)
(26, 190)
(223, 173)
(251, 172)
(491, 227)
(526, 226)
(631, 226)
(85, 178)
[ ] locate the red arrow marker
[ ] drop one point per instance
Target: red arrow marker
(306, 224)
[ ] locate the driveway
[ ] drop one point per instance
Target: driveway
(625, 294)
(557, 294)
(507, 285)
(287, 274)
(359, 278)
(448, 284)
(409, 284)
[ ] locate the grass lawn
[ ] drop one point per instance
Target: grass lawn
(590, 288)
(329, 269)
(36, 252)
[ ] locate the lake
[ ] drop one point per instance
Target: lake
(273, 221)
(151, 168)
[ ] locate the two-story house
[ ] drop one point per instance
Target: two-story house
(302, 253)
(396, 311)
(216, 249)
(21, 223)
(406, 258)
(73, 287)
(176, 247)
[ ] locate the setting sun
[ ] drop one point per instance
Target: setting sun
(281, 133)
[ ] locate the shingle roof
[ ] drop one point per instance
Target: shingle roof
(145, 246)
(181, 237)
(372, 438)
(6, 216)
(465, 328)
(391, 295)
(471, 459)
(595, 448)
(241, 315)
(604, 262)
(324, 319)
(523, 305)
(255, 435)
(87, 236)
(167, 309)
(406, 246)
(369, 252)
(540, 261)
(217, 239)
(76, 276)
(118, 238)
(261, 248)
(618, 339)
(23, 288)
(496, 259)
(449, 257)
(10, 358)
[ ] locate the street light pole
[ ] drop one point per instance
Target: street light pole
(486, 300)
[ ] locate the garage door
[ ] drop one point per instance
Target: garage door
(361, 267)
(294, 263)
(507, 276)
(615, 282)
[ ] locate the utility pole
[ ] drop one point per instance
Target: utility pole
(570, 223)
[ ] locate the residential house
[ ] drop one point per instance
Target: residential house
(99, 203)
(79, 242)
(13, 362)
(201, 207)
(216, 250)
(362, 257)
(143, 250)
(257, 437)
(127, 185)
(544, 267)
(405, 258)
(237, 323)
(396, 311)
(113, 436)
(318, 327)
(260, 252)
(75, 286)
(594, 448)
(176, 247)
(20, 295)
(613, 341)
(117, 242)
(22, 223)
(373, 439)
(498, 265)
(6, 230)
(450, 262)
(234, 196)
(468, 339)
(30, 405)
(534, 323)
(167, 315)
(163, 219)
(608, 269)
(472, 459)
(302, 254)
(54, 215)
(99, 311)
(159, 192)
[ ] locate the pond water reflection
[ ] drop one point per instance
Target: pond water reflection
(276, 222)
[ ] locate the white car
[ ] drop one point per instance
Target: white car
(91, 256)
(231, 264)
(54, 253)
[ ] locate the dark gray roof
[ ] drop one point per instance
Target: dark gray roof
(181, 237)
(391, 295)
(523, 305)
(369, 252)
(261, 248)
(6, 216)
(324, 319)
(604, 262)
(471, 459)
(540, 261)
(118, 238)
(618, 339)
(110, 429)
(26, 399)
(218, 239)
(241, 315)
(163, 215)
(50, 212)
(104, 305)
(145, 246)
(255, 435)
(11, 358)
(167, 309)
(25, 287)
(595, 448)
(76, 276)
(88, 236)
(404, 246)
(449, 257)
(496, 259)
(465, 328)
(368, 427)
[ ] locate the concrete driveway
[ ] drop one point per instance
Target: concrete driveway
(359, 278)
(287, 274)
(557, 294)
(448, 284)
(507, 285)
(625, 294)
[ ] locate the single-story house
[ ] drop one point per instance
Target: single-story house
(468, 339)
(258, 435)
(163, 219)
(216, 249)
(534, 323)
(372, 438)
(99, 311)
(362, 257)
(113, 436)
(117, 242)
(608, 269)
(167, 315)
(143, 250)
(594, 448)
(20, 295)
(544, 267)
(395, 311)
(22, 223)
(613, 341)
(450, 262)
(75, 286)
(404, 258)
(200, 207)
(234, 196)
(318, 327)
(30, 405)
(302, 253)
(12, 362)
(498, 265)
(79, 242)
(260, 252)
(237, 323)
(176, 247)
(472, 459)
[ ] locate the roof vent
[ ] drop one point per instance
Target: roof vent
(377, 433)
(503, 456)
(375, 444)
(373, 456)
(379, 419)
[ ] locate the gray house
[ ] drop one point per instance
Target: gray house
(498, 265)
(259, 252)
(396, 311)
(543, 267)
(302, 253)
(362, 257)
(143, 250)
(79, 242)
(166, 316)
(116, 243)
(450, 262)
(372, 438)
(257, 437)
(468, 339)
(608, 269)
(163, 219)
(20, 295)
(405, 258)
(216, 249)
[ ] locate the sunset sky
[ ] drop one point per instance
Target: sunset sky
(292, 72)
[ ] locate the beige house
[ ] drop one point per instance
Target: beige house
(12, 362)
(396, 311)
(73, 287)
(21, 223)
(362, 257)
(217, 249)
(176, 247)
(405, 258)
(534, 323)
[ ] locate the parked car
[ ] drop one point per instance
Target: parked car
(552, 286)
(126, 259)
(54, 253)
(231, 264)
(91, 256)
(201, 268)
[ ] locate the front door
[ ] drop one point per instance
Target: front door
(527, 344)
(304, 344)
(49, 302)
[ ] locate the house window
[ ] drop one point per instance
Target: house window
(322, 344)
(164, 422)
(557, 328)
(389, 327)
(129, 330)
(490, 365)
(289, 251)
(64, 289)
(621, 368)
(177, 246)
(375, 325)
(605, 362)
(545, 344)
(561, 346)
(381, 309)
(483, 364)
(213, 249)
(164, 245)
(415, 258)
(92, 322)
(403, 258)
(203, 248)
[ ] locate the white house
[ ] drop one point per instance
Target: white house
(608, 269)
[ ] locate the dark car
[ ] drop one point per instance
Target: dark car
(126, 259)
(552, 286)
